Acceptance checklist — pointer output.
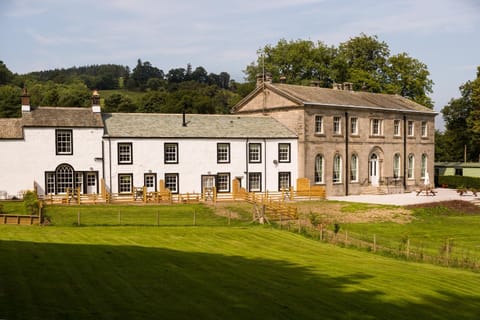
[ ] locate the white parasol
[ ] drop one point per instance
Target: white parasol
(427, 179)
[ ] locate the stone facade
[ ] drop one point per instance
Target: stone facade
(390, 138)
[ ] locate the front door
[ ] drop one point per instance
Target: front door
(208, 182)
(91, 183)
(373, 170)
(150, 182)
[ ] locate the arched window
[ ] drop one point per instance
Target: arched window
(319, 169)
(396, 166)
(423, 169)
(337, 169)
(64, 178)
(354, 168)
(411, 166)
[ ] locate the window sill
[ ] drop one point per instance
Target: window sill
(376, 136)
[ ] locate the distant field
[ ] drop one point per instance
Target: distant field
(214, 271)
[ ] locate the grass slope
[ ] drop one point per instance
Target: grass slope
(215, 273)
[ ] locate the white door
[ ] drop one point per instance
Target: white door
(91, 183)
(373, 169)
(151, 182)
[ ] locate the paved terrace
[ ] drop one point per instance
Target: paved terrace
(402, 199)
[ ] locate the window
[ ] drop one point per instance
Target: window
(79, 181)
(396, 128)
(337, 125)
(410, 129)
(459, 171)
(337, 169)
(254, 152)
(319, 166)
(125, 153)
(150, 181)
(64, 142)
(171, 153)
(424, 129)
(396, 166)
(284, 152)
(423, 167)
(125, 183)
(354, 126)
(318, 124)
(223, 182)
(171, 182)
(223, 152)
(354, 168)
(411, 164)
(376, 127)
(64, 178)
(284, 181)
(50, 183)
(255, 181)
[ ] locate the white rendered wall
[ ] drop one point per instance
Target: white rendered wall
(197, 157)
(24, 162)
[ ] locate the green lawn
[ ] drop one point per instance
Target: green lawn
(428, 231)
(215, 272)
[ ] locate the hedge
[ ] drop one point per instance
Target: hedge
(455, 182)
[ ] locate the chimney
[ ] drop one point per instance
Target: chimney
(337, 86)
(283, 79)
(96, 102)
(25, 101)
(348, 86)
(261, 78)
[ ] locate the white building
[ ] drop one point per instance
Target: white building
(58, 148)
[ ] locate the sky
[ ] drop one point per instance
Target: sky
(222, 35)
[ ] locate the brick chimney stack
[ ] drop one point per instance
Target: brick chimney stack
(25, 100)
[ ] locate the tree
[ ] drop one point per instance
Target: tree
(462, 122)
(10, 101)
(143, 72)
(6, 76)
(409, 78)
(363, 60)
(119, 103)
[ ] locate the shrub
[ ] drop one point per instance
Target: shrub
(455, 182)
(31, 203)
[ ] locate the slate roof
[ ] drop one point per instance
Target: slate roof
(307, 95)
(155, 125)
(62, 117)
(11, 129)
(50, 117)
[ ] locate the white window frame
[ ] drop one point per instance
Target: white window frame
(284, 152)
(125, 183)
(171, 152)
(319, 169)
(397, 161)
(354, 168)
(397, 128)
(254, 153)
(223, 182)
(376, 127)
(337, 125)
(424, 129)
(171, 182)
(64, 141)
(354, 126)
(318, 124)
(423, 166)
(223, 152)
(411, 166)
(337, 169)
(254, 181)
(284, 181)
(410, 128)
(125, 153)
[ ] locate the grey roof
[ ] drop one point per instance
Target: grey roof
(62, 117)
(155, 125)
(11, 128)
(307, 95)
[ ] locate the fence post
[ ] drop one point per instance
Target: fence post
(119, 217)
(447, 250)
(195, 217)
(229, 216)
(374, 243)
(321, 232)
(408, 247)
(78, 218)
(158, 218)
(346, 238)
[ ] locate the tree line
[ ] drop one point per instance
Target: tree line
(363, 60)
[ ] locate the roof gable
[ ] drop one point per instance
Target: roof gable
(266, 98)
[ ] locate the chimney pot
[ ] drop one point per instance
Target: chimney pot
(283, 79)
(96, 102)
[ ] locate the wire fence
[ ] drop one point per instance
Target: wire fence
(445, 252)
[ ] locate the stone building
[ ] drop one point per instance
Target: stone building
(351, 142)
